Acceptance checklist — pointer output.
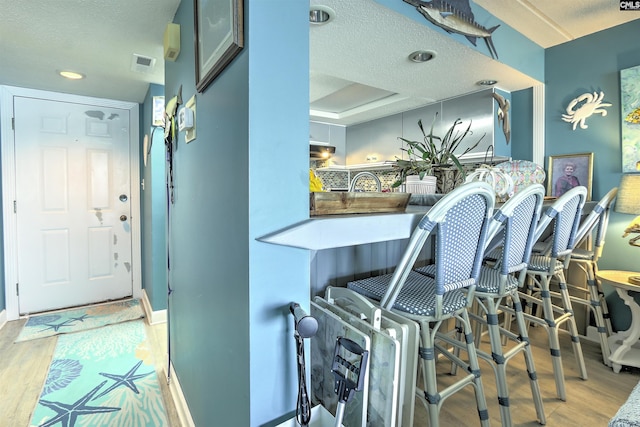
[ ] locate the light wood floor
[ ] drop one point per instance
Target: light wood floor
(590, 402)
(23, 367)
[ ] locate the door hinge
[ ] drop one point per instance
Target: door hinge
(15, 206)
(13, 123)
(17, 289)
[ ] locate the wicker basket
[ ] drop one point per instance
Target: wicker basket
(415, 185)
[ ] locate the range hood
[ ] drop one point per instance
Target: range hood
(321, 151)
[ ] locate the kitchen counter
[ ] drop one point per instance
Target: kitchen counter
(336, 231)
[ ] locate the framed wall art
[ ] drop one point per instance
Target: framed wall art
(567, 171)
(630, 114)
(219, 37)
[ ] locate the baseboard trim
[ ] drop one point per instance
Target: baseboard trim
(3, 318)
(153, 317)
(180, 403)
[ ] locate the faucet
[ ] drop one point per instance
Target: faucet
(352, 187)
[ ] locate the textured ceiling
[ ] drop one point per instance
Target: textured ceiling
(366, 44)
(552, 22)
(93, 37)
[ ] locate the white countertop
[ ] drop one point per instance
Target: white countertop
(335, 231)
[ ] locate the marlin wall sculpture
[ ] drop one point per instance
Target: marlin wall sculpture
(455, 16)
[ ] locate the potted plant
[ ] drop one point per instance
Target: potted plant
(435, 155)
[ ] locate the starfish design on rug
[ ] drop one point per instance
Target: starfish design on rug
(56, 326)
(127, 380)
(69, 322)
(67, 414)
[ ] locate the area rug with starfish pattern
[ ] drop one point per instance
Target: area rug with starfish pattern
(102, 377)
(80, 319)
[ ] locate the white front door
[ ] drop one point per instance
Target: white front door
(73, 203)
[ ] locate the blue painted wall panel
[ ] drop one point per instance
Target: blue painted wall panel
(208, 240)
(153, 207)
(522, 125)
(244, 176)
(278, 196)
(586, 65)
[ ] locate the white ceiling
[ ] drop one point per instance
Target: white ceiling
(93, 37)
(366, 44)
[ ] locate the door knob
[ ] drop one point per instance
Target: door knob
(123, 218)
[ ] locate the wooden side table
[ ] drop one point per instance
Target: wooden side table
(625, 347)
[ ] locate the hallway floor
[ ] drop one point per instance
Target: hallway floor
(593, 402)
(24, 367)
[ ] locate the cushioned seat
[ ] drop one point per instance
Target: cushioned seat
(416, 297)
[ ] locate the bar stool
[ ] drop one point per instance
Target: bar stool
(564, 218)
(499, 282)
(595, 226)
(459, 224)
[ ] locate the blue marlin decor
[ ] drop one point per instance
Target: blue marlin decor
(455, 16)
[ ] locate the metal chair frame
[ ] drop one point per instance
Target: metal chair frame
(594, 226)
(515, 224)
(432, 301)
(564, 216)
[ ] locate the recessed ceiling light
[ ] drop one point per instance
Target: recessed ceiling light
(320, 15)
(487, 82)
(71, 75)
(422, 56)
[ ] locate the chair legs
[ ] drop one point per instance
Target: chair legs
(430, 396)
(598, 306)
(499, 359)
(538, 285)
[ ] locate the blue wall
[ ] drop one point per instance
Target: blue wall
(153, 207)
(244, 176)
(522, 125)
(589, 64)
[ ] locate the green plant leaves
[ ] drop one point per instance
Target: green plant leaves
(433, 151)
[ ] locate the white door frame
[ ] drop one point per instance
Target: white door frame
(9, 185)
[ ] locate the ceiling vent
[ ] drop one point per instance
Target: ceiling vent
(142, 64)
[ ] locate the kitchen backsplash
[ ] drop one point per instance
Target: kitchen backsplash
(339, 179)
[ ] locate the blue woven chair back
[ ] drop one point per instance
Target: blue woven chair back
(519, 217)
(565, 214)
(459, 224)
(456, 246)
(598, 220)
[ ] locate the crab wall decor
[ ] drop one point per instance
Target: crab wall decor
(583, 107)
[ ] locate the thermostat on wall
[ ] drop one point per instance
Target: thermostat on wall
(185, 118)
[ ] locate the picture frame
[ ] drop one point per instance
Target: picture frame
(158, 111)
(218, 37)
(630, 118)
(560, 178)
